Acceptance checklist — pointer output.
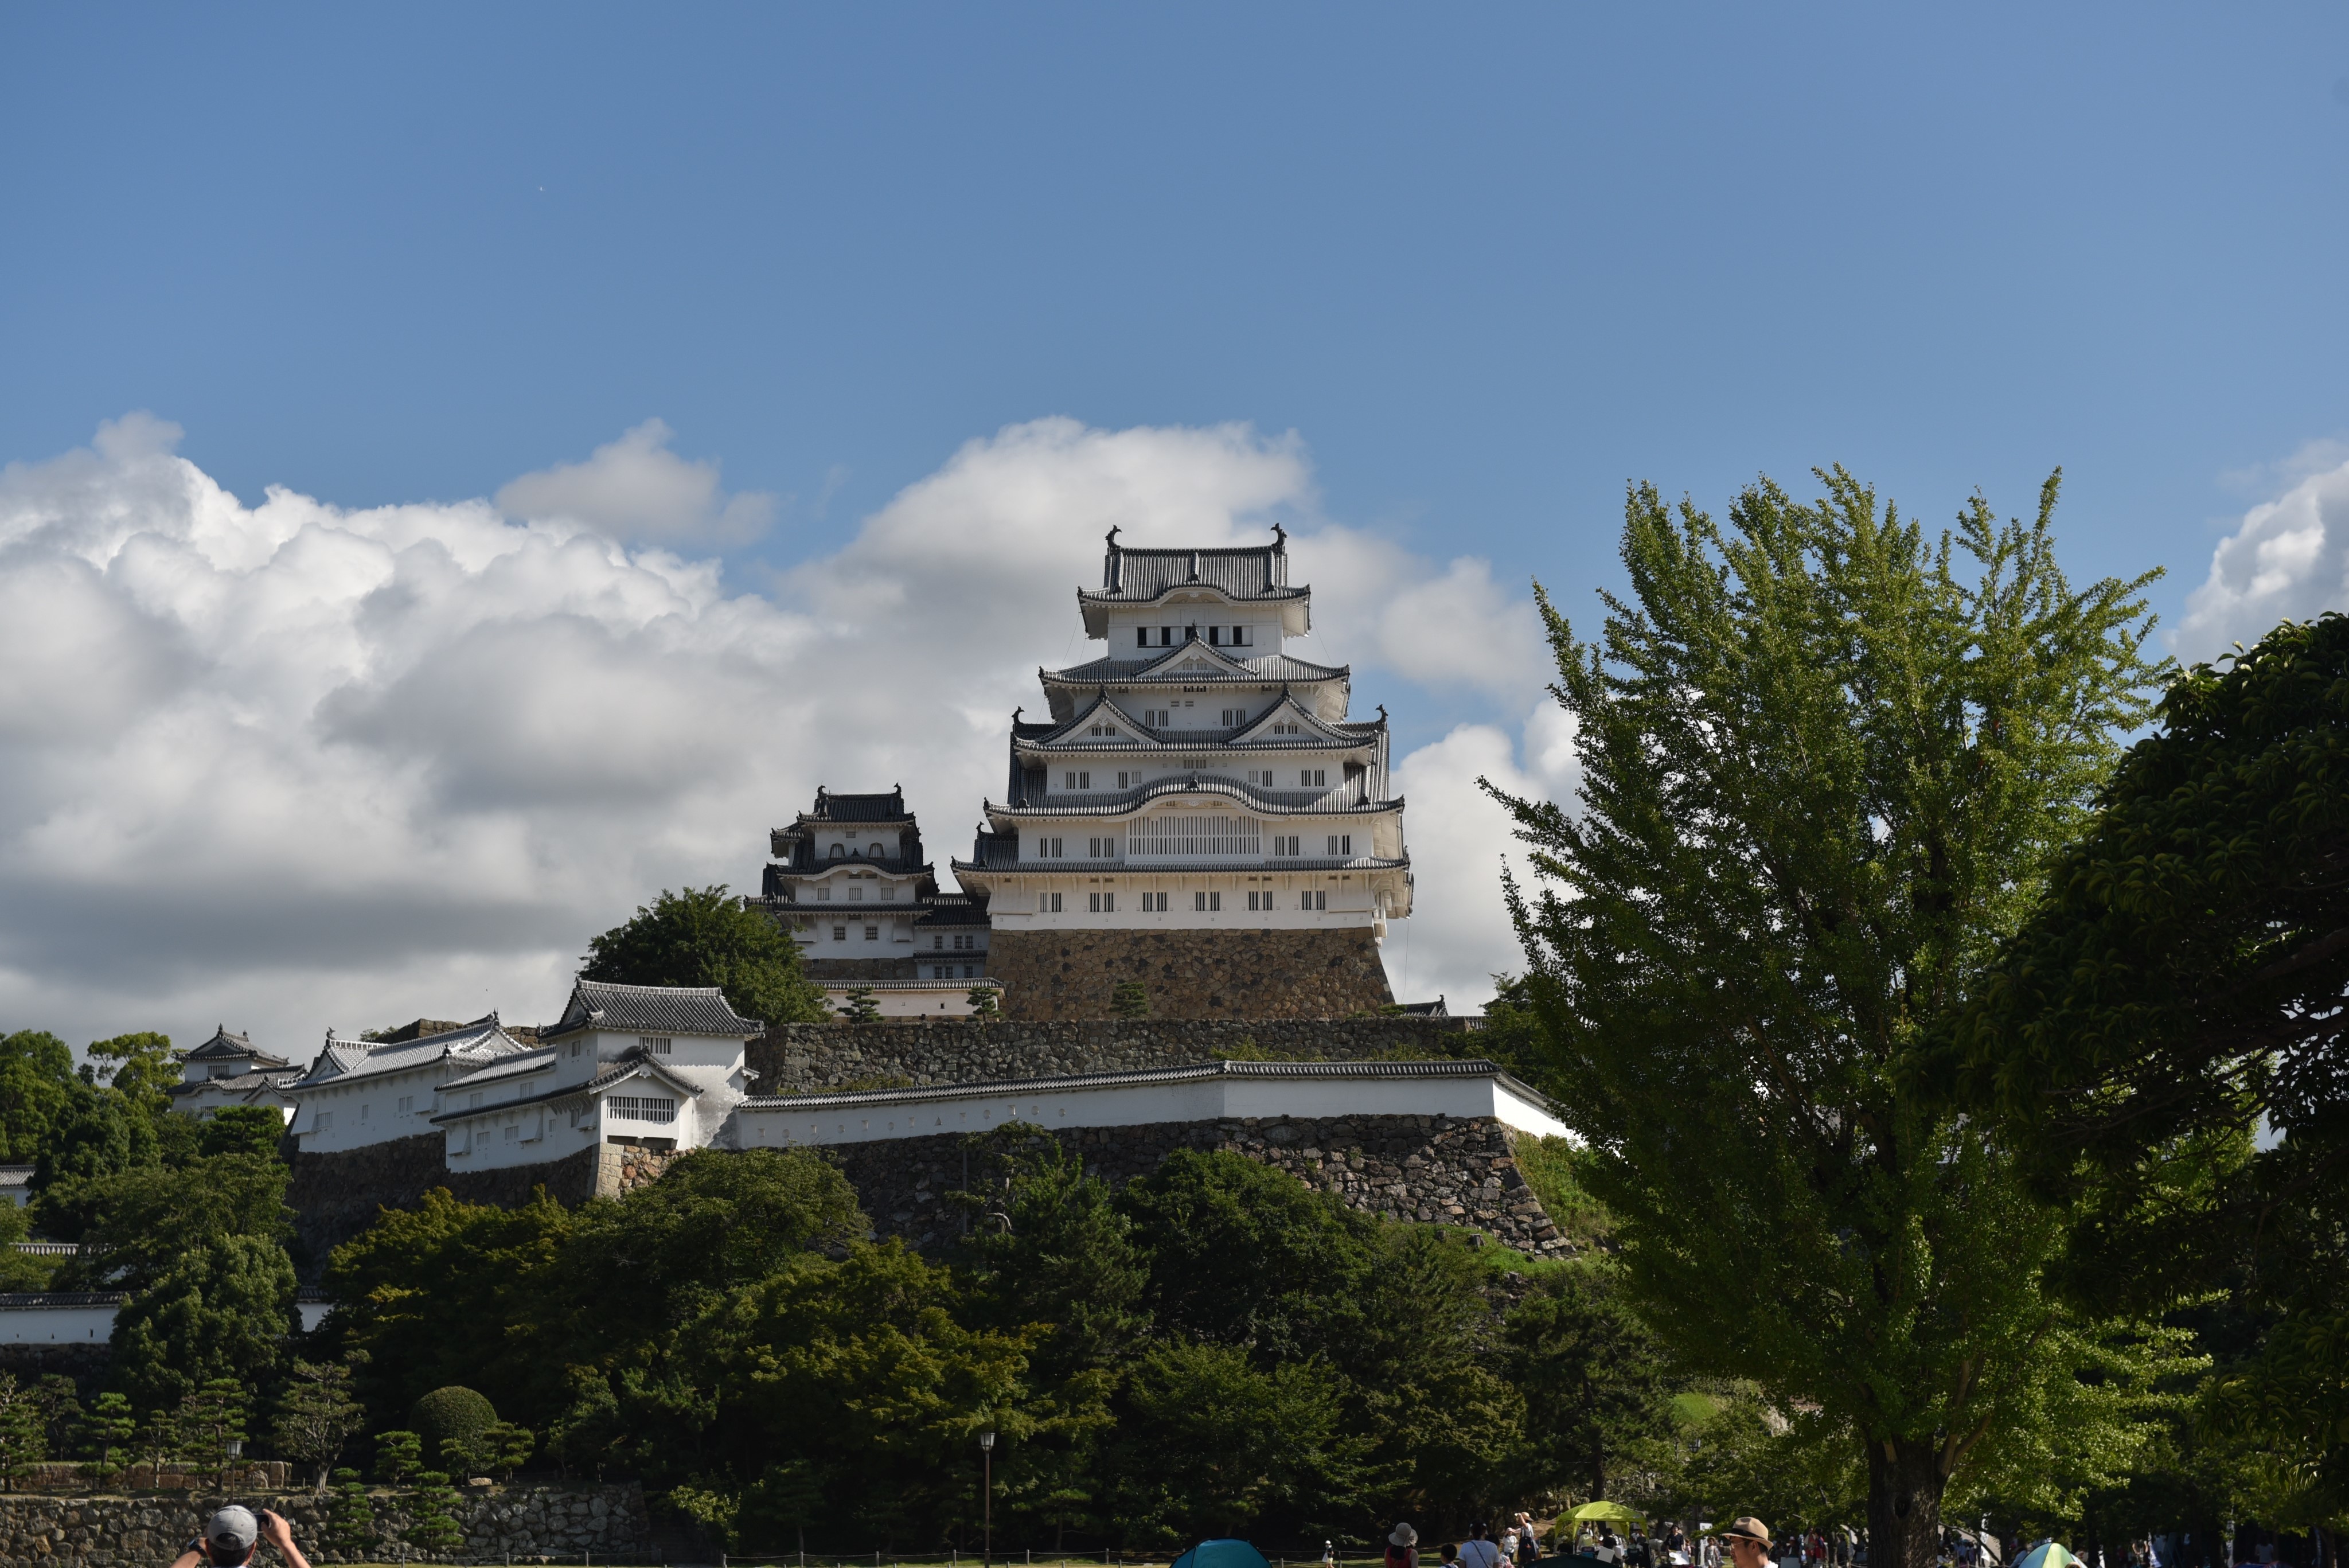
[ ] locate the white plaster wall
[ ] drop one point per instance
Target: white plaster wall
(1142, 1105)
(56, 1325)
(379, 1093)
(527, 1135)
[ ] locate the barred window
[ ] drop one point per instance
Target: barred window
(654, 1045)
(325, 1122)
(642, 1108)
(1194, 836)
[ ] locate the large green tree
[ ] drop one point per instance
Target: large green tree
(1825, 759)
(133, 1224)
(1595, 1379)
(36, 1080)
(219, 1310)
(2180, 985)
(702, 937)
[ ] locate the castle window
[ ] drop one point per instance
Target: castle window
(1155, 903)
(1215, 637)
(324, 1122)
(1210, 902)
(1312, 900)
(937, 943)
(872, 933)
(1078, 780)
(1285, 843)
(406, 1104)
(889, 894)
(966, 972)
(641, 1108)
(839, 852)
(1190, 634)
(363, 1111)
(1127, 780)
(1141, 637)
(1239, 636)
(855, 894)
(1048, 903)
(1235, 717)
(840, 933)
(1165, 637)
(654, 1045)
(1341, 844)
(513, 1132)
(1103, 903)
(823, 894)
(1314, 778)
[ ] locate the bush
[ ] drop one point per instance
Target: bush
(454, 1422)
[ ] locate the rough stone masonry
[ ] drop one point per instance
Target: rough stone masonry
(517, 1522)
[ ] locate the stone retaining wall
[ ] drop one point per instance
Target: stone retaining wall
(1435, 1169)
(335, 1196)
(1191, 974)
(519, 1522)
(813, 1058)
(83, 1363)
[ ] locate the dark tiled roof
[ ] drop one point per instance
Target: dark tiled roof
(21, 1300)
(225, 1046)
(1245, 572)
(830, 807)
(635, 1064)
(1280, 666)
(16, 1174)
(651, 1009)
(1256, 797)
(237, 1083)
(949, 911)
(1323, 1071)
(1423, 1008)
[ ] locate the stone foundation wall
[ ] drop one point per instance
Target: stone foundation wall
(335, 1196)
(519, 1522)
(811, 1059)
(83, 1363)
(1434, 1169)
(1251, 974)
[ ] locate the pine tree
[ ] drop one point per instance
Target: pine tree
(317, 1415)
(506, 1447)
(1129, 999)
(350, 1519)
(861, 1008)
(398, 1456)
(23, 1435)
(434, 1526)
(105, 1427)
(985, 1004)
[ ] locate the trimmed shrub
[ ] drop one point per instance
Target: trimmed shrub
(453, 1422)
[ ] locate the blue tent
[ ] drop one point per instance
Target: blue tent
(1222, 1554)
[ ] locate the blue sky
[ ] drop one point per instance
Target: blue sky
(1485, 264)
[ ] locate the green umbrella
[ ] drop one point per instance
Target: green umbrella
(1611, 1512)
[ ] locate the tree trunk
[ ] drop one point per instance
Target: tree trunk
(1904, 1503)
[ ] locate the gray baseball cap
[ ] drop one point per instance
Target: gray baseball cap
(233, 1526)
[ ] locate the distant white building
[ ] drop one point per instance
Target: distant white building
(655, 1068)
(17, 1184)
(851, 884)
(362, 1091)
(230, 1070)
(658, 1068)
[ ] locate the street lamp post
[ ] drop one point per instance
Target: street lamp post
(987, 1494)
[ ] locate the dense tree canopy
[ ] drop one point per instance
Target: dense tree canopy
(2181, 982)
(36, 1078)
(1825, 759)
(702, 937)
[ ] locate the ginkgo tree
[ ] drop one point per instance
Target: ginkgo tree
(1825, 758)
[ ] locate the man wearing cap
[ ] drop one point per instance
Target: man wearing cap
(1749, 1542)
(231, 1535)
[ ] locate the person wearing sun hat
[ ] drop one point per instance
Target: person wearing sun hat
(1749, 1541)
(1403, 1547)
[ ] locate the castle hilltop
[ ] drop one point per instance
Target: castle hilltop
(1198, 814)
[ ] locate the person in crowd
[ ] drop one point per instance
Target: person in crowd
(232, 1534)
(1449, 1555)
(1529, 1537)
(1675, 1546)
(1749, 1542)
(1479, 1550)
(1403, 1547)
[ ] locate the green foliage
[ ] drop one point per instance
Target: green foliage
(701, 937)
(141, 1066)
(209, 1415)
(2179, 983)
(108, 1425)
(399, 1454)
(984, 1002)
(317, 1415)
(506, 1447)
(134, 1222)
(20, 1271)
(1554, 1168)
(350, 1528)
(1129, 999)
(219, 1310)
(1825, 760)
(36, 1079)
(99, 1133)
(255, 1130)
(455, 1423)
(860, 1007)
(1217, 1445)
(1593, 1377)
(24, 1427)
(433, 1525)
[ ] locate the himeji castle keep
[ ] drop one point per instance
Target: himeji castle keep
(1176, 907)
(1193, 812)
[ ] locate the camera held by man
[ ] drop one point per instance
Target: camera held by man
(233, 1534)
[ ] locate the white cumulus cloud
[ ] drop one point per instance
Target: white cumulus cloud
(2289, 560)
(294, 764)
